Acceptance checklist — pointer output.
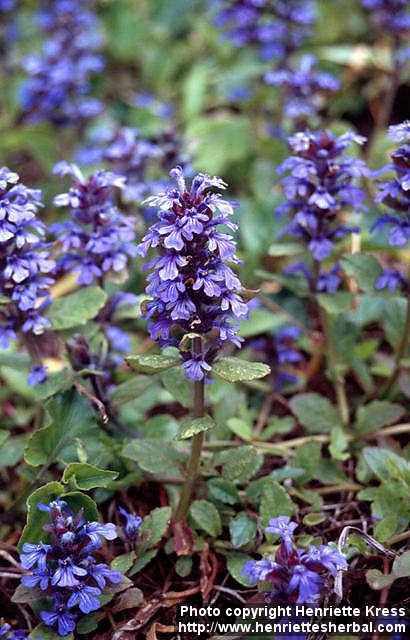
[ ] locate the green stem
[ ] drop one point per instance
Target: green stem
(400, 353)
(196, 446)
(337, 377)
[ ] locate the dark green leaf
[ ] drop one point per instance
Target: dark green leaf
(206, 517)
(314, 412)
(275, 502)
(363, 268)
(154, 527)
(223, 490)
(242, 530)
(86, 476)
(76, 308)
(154, 457)
(238, 370)
(151, 364)
(190, 427)
(378, 414)
(33, 531)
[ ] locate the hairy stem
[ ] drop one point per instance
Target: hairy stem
(196, 445)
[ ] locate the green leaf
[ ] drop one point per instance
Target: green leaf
(217, 142)
(152, 363)
(55, 382)
(314, 412)
(242, 530)
(25, 595)
(206, 517)
(235, 564)
(275, 502)
(155, 457)
(335, 303)
(386, 464)
(378, 414)
(195, 90)
(144, 559)
(312, 519)
(385, 528)
(260, 320)
(86, 476)
(33, 531)
(223, 490)
(307, 457)
(43, 632)
(123, 562)
(363, 268)
(238, 370)
(376, 580)
(78, 501)
(235, 462)
(240, 427)
(183, 566)
(70, 417)
(191, 427)
(338, 444)
(175, 381)
(401, 565)
(154, 527)
(12, 452)
(394, 319)
(76, 308)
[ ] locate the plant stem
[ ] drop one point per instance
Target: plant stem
(196, 446)
(384, 113)
(337, 377)
(401, 350)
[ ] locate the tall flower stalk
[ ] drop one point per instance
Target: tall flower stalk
(194, 294)
(395, 194)
(319, 187)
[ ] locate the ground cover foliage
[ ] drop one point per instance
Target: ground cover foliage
(205, 381)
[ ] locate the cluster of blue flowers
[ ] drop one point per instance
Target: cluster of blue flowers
(58, 78)
(303, 88)
(144, 163)
(192, 289)
(280, 353)
(395, 194)
(320, 185)
(98, 240)
(7, 633)
(24, 261)
(66, 570)
(390, 15)
(297, 576)
(276, 27)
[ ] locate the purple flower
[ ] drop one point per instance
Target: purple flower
(6, 632)
(296, 575)
(98, 240)
(390, 280)
(101, 573)
(66, 569)
(308, 584)
(60, 617)
(24, 260)
(284, 528)
(395, 193)
(132, 524)
(280, 354)
(35, 554)
(304, 88)
(58, 77)
(85, 598)
(192, 289)
(256, 570)
(390, 15)
(326, 557)
(320, 183)
(277, 28)
(37, 375)
(144, 162)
